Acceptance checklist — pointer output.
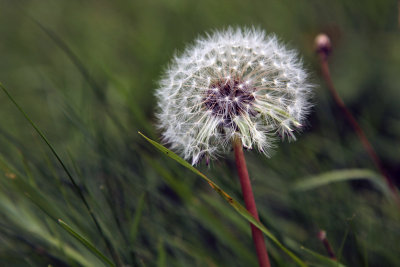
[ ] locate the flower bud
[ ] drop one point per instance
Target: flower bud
(323, 44)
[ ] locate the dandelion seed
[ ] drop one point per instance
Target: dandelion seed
(223, 96)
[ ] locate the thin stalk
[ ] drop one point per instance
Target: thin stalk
(248, 196)
(323, 49)
(328, 247)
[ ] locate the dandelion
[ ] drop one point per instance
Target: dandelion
(232, 84)
(235, 87)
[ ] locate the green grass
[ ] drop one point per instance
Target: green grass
(84, 73)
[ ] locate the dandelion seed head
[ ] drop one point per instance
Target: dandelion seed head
(232, 83)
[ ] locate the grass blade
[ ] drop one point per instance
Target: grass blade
(85, 242)
(161, 259)
(324, 260)
(339, 176)
(75, 185)
(236, 205)
(45, 205)
(15, 179)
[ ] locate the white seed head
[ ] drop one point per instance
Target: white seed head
(232, 83)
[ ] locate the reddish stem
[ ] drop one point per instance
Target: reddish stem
(323, 50)
(328, 247)
(250, 203)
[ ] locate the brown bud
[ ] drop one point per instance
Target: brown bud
(321, 235)
(323, 44)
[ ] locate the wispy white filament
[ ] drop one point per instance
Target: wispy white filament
(231, 83)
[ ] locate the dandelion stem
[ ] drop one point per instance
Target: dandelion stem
(248, 196)
(323, 47)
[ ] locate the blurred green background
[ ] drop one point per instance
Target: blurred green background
(86, 71)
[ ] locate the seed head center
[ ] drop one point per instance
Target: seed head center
(227, 98)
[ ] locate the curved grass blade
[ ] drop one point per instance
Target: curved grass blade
(339, 176)
(25, 188)
(236, 205)
(85, 242)
(42, 203)
(75, 185)
(327, 262)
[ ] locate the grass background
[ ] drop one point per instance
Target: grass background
(87, 80)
